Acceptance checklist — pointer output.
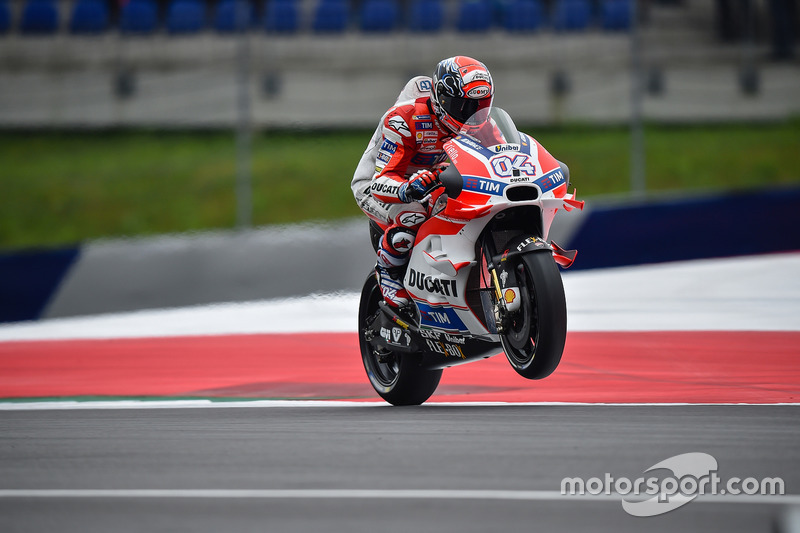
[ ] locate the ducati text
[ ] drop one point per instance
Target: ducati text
(445, 287)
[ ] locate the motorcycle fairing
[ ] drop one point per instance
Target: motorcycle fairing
(444, 350)
(438, 348)
(444, 251)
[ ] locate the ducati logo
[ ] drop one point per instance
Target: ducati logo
(396, 332)
(445, 287)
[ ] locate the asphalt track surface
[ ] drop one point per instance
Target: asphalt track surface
(163, 460)
(359, 458)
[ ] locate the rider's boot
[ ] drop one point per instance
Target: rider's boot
(391, 266)
(391, 283)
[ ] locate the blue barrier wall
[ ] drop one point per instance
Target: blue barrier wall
(697, 228)
(29, 279)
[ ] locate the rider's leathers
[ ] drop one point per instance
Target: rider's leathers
(408, 139)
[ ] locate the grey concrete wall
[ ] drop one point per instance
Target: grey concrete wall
(182, 270)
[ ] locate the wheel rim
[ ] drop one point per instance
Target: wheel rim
(384, 373)
(523, 331)
(383, 367)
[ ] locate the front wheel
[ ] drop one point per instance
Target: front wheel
(535, 334)
(396, 377)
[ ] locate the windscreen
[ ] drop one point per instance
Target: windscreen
(497, 128)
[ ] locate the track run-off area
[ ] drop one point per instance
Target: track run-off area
(712, 331)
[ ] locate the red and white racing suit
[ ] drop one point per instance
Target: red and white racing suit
(407, 139)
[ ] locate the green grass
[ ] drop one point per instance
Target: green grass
(59, 188)
(689, 158)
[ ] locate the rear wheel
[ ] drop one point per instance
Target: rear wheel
(535, 334)
(396, 377)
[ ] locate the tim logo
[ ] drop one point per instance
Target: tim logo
(388, 146)
(438, 317)
(551, 180)
(484, 186)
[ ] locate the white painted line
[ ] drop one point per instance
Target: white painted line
(374, 494)
(210, 404)
(175, 404)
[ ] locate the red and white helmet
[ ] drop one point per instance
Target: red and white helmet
(462, 90)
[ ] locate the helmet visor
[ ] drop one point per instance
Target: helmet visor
(474, 110)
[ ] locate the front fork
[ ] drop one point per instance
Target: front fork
(506, 299)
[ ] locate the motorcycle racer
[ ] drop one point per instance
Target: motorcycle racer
(398, 173)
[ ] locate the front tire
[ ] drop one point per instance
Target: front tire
(536, 333)
(396, 377)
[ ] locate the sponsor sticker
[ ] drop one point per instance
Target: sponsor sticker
(470, 76)
(506, 148)
(395, 336)
(445, 348)
(472, 183)
(478, 92)
(469, 143)
(410, 220)
(440, 317)
(531, 240)
(452, 151)
(509, 296)
(551, 180)
(389, 146)
(384, 188)
(443, 343)
(427, 160)
(444, 287)
(399, 125)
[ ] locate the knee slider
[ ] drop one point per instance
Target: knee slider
(401, 239)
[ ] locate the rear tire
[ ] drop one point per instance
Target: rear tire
(396, 377)
(537, 332)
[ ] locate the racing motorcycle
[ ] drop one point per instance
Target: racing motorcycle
(482, 275)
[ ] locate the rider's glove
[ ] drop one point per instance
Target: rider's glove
(418, 186)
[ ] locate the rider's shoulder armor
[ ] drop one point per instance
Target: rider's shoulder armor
(415, 88)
